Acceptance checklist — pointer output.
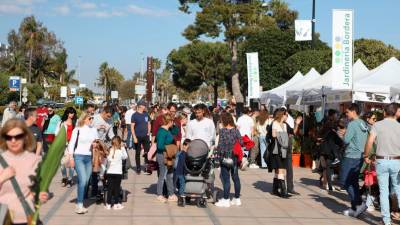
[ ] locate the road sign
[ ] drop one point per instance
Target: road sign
(24, 99)
(79, 100)
(14, 83)
(23, 81)
(73, 91)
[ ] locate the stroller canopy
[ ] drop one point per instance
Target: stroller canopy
(197, 148)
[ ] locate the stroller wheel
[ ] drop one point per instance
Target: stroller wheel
(201, 203)
(181, 201)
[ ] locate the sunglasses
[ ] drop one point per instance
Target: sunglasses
(91, 118)
(373, 118)
(15, 137)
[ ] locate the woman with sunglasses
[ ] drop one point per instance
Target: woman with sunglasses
(17, 142)
(80, 154)
(68, 120)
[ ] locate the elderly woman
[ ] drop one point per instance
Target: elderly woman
(17, 141)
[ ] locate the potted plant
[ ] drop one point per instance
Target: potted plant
(306, 148)
(296, 152)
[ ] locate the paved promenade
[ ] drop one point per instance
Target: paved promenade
(313, 206)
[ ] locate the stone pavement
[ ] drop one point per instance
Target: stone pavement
(313, 206)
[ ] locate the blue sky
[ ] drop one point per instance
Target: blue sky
(121, 32)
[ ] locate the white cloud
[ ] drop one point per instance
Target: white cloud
(101, 14)
(134, 9)
(85, 5)
(14, 9)
(62, 9)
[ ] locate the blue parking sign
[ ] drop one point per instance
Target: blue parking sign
(14, 83)
(79, 100)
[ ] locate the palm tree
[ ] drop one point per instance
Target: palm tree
(109, 79)
(69, 78)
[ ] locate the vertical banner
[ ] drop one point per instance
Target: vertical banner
(342, 49)
(303, 30)
(63, 92)
(253, 76)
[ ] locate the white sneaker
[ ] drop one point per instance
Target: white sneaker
(253, 166)
(224, 203)
(107, 206)
(236, 201)
(360, 209)
(371, 208)
(118, 207)
(349, 212)
(81, 210)
(244, 164)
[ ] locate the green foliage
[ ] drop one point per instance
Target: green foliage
(109, 78)
(303, 61)
(236, 22)
(127, 89)
(200, 62)
(373, 52)
(274, 47)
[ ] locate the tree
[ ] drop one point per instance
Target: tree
(165, 86)
(303, 61)
(274, 46)
(126, 89)
(86, 93)
(373, 52)
(236, 22)
(200, 62)
(109, 78)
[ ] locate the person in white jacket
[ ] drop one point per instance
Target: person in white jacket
(114, 173)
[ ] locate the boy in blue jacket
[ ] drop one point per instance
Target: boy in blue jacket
(180, 171)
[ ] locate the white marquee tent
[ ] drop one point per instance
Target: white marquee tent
(379, 84)
(277, 95)
(295, 91)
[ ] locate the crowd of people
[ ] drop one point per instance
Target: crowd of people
(100, 138)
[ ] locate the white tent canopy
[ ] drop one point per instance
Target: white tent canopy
(323, 86)
(377, 85)
(277, 95)
(295, 91)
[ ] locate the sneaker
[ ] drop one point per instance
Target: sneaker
(161, 199)
(81, 210)
(64, 182)
(349, 212)
(69, 183)
(224, 203)
(147, 172)
(172, 198)
(236, 201)
(371, 208)
(336, 161)
(244, 164)
(118, 207)
(253, 166)
(138, 170)
(107, 206)
(360, 209)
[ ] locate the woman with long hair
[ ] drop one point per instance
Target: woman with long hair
(17, 142)
(229, 135)
(263, 121)
(80, 155)
(279, 149)
(68, 120)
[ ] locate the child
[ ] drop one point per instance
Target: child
(100, 153)
(180, 171)
(114, 173)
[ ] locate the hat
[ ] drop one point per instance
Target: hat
(143, 103)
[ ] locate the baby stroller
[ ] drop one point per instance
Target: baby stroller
(199, 178)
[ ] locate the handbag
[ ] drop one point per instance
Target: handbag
(27, 209)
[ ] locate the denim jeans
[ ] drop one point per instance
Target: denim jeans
(129, 138)
(386, 169)
(64, 171)
(164, 176)
(83, 166)
(181, 185)
(263, 148)
(226, 173)
(349, 175)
